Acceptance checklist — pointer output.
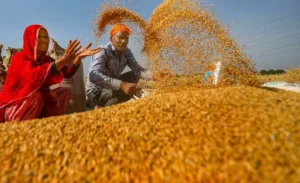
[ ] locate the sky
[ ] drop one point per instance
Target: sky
(269, 29)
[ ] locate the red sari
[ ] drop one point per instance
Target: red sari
(26, 93)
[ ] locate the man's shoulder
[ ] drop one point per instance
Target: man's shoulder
(106, 49)
(106, 46)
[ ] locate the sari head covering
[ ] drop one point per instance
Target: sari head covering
(118, 28)
(25, 74)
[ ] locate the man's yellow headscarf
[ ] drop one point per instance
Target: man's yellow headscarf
(119, 27)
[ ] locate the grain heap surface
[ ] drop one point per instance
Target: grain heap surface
(232, 134)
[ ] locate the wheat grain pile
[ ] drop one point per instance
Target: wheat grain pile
(184, 132)
(232, 134)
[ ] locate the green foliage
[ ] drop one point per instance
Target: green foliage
(271, 72)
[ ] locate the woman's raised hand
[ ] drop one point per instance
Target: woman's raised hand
(71, 51)
(85, 52)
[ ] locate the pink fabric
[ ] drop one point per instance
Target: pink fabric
(63, 96)
(32, 107)
(27, 109)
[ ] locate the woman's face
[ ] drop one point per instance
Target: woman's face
(43, 40)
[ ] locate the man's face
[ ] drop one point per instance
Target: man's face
(120, 40)
(43, 40)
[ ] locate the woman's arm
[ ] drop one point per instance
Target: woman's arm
(71, 70)
(70, 55)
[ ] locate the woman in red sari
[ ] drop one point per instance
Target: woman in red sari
(26, 93)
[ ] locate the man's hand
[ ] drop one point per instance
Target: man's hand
(128, 88)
